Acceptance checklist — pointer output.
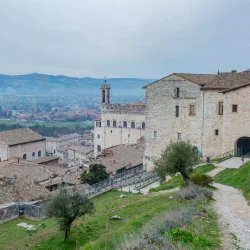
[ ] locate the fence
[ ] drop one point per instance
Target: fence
(13, 211)
(38, 211)
(224, 156)
(113, 182)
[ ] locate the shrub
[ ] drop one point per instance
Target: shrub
(203, 180)
(179, 235)
(194, 192)
(201, 241)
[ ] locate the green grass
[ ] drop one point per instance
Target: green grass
(237, 178)
(13, 237)
(177, 180)
(135, 210)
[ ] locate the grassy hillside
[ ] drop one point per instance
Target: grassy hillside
(177, 181)
(135, 210)
(237, 178)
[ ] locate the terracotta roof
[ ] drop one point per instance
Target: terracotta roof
(81, 149)
(121, 156)
(19, 136)
(46, 159)
(140, 103)
(223, 81)
(63, 138)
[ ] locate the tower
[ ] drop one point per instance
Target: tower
(105, 93)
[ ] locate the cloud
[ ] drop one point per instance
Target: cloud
(125, 38)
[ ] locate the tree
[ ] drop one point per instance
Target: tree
(66, 207)
(178, 157)
(97, 173)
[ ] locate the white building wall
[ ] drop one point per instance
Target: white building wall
(28, 148)
(3, 151)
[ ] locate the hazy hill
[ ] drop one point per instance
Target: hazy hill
(41, 84)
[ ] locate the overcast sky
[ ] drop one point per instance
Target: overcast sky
(124, 38)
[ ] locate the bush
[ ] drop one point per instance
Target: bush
(179, 235)
(201, 241)
(203, 180)
(194, 192)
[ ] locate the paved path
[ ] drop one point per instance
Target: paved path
(234, 162)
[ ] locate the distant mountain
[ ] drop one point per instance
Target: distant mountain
(41, 84)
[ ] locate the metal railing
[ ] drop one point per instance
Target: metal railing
(13, 211)
(129, 177)
(222, 156)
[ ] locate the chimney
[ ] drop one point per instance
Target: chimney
(234, 71)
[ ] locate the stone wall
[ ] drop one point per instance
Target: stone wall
(3, 151)
(28, 148)
(236, 124)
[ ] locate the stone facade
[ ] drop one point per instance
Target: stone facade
(118, 123)
(23, 143)
(197, 108)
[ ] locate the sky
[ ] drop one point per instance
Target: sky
(124, 38)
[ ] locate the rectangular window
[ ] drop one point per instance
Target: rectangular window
(235, 108)
(179, 136)
(177, 111)
(220, 108)
(155, 134)
(192, 110)
(177, 95)
(216, 131)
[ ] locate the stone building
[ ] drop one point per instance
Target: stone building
(53, 143)
(24, 143)
(80, 154)
(211, 111)
(118, 123)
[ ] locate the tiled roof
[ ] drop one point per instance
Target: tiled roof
(128, 156)
(46, 159)
(140, 103)
(18, 136)
(63, 138)
(81, 149)
(200, 79)
(222, 81)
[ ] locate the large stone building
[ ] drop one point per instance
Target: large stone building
(53, 143)
(118, 123)
(24, 143)
(211, 111)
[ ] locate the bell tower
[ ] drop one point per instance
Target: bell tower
(105, 93)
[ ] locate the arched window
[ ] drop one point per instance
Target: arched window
(100, 124)
(143, 126)
(97, 124)
(125, 124)
(33, 155)
(114, 123)
(108, 123)
(39, 153)
(99, 149)
(24, 156)
(132, 124)
(98, 136)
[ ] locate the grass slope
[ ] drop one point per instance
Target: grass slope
(135, 210)
(177, 180)
(237, 178)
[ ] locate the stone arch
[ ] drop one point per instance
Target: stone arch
(132, 124)
(99, 149)
(242, 146)
(114, 123)
(39, 153)
(24, 156)
(108, 123)
(125, 124)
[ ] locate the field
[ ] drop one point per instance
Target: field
(50, 124)
(135, 210)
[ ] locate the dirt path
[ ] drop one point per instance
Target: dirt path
(233, 214)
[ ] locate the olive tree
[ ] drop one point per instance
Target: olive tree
(66, 207)
(178, 157)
